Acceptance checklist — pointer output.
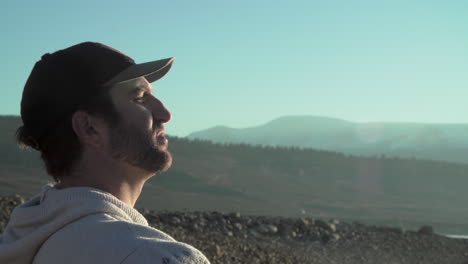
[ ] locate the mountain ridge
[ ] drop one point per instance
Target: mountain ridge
(438, 141)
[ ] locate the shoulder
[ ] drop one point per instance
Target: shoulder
(107, 228)
(166, 252)
(100, 238)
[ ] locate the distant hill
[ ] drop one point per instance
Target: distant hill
(281, 181)
(445, 142)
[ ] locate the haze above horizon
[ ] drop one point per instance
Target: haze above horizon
(244, 63)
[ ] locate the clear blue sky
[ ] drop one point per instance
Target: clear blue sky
(242, 63)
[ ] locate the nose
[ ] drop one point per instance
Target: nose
(160, 112)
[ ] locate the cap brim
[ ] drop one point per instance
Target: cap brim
(152, 71)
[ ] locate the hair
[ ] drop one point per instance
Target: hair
(60, 147)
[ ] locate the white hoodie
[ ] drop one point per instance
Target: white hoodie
(87, 225)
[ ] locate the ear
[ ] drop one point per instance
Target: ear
(89, 129)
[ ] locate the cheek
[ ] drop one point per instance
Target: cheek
(138, 116)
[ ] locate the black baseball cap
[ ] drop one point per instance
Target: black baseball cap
(62, 81)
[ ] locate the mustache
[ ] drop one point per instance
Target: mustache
(158, 128)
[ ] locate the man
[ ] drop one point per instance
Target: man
(91, 112)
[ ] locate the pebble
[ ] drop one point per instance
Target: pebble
(326, 226)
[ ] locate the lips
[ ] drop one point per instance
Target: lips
(161, 133)
(161, 138)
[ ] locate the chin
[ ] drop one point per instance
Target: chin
(159, 165)
(166, 166)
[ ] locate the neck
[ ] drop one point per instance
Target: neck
(125, 192)
(121, 180)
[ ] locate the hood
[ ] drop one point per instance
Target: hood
(32, 222)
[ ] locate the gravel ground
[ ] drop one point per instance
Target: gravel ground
(234, 238)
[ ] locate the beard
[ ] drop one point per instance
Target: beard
(140, 148)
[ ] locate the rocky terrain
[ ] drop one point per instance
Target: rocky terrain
(235, 238)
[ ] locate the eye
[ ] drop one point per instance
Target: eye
(140, 98)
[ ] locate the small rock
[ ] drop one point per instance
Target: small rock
(254, 233)
(262, 229)
(321, 223)
(145, 211)
(195, 227)
(267, 229)
(19, 198)
(235, 215)
(272, 229)
(426, 230)
(175, 220)
(219, 252)
(326, 226)
(238, 226)
(326, 237)
(399, 230)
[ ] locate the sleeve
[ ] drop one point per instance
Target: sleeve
(165, 253)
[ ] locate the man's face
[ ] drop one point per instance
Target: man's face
(138, 138)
